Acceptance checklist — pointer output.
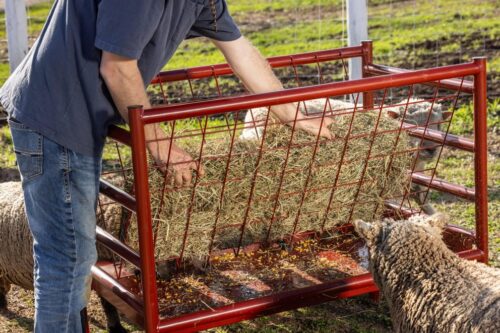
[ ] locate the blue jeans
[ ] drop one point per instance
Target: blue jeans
(60, 191)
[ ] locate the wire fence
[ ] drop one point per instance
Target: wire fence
(400, 30)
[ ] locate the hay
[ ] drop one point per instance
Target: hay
(380, 183)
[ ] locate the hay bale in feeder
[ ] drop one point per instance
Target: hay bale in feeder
(253, 183)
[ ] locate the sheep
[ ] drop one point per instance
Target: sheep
(16, 257)
(255, 118)
(421, 113)
(428, 287)
(417, 112)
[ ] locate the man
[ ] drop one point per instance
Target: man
(92, 60)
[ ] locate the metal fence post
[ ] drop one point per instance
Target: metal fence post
(17, 31)
(357, 31)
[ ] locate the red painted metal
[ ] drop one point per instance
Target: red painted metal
(148, 269)
(271, 304)
(139, 299)
(118, 195)
(275, 62)
(443, 186)
(116, 292)
(449, 140)
(366, 60)
(120, 135)
(222, 105)
(117, 247)
(481, 156)
(342, 288)
(451, 84)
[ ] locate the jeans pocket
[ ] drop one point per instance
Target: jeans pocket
(28, 146)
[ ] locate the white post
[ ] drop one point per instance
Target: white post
(17, 31)
(357, 30)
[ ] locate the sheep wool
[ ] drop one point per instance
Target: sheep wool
(427, 286)
(16, 255)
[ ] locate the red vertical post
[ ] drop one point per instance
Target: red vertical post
(481, 156)
(367, 59)
(148, 271)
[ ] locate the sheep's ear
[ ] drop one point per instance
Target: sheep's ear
(393, 114)
(447, 114)
(437, 220)
(364, 229)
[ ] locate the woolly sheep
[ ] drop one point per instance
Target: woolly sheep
(16, 257)
(255, 118)
(427, 286)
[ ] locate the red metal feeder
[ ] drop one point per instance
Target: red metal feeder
(236, 290)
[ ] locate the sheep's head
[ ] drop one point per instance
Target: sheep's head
(378, 232)
(388, 239)
(420, 113)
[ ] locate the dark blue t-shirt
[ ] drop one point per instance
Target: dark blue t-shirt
(57, 89)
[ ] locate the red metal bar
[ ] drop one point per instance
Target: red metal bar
(420, 145)
(282, 176)
(366, 60)
(317, 294)
(193, 191)
(223, 189)
(119, 134)
(254, 178)
(337, 175)
(481, 156)
(121, 249)
(118, 195)
(148, 271)
(275, 62)
(233, 313)
(451, 84)
(444, 186)
(211, 107)
(126, 301)
(454, 107)
(440, 137)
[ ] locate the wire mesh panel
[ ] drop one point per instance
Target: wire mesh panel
(268, 208)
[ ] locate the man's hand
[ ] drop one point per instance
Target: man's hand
(179, 164)
(124, 82)
(313, 125)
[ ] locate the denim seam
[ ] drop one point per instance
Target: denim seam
(35, 155)
(65, 165)
(67, 176)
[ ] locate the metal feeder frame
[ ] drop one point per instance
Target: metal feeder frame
(144, 310)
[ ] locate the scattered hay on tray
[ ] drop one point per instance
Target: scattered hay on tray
(261, 272)
(312, 196)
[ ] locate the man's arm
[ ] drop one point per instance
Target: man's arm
(124, 82)
(254, 70)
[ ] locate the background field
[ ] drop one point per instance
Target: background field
(410, 34)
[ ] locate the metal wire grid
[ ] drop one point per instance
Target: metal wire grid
(203, 132)
(446, 92)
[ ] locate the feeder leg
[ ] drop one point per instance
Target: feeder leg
(85, 321)
(375, 296)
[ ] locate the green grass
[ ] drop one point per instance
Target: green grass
(395, 26)
(463, 118)
(405, 33)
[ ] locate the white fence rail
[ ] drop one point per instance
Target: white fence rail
(17, 31)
